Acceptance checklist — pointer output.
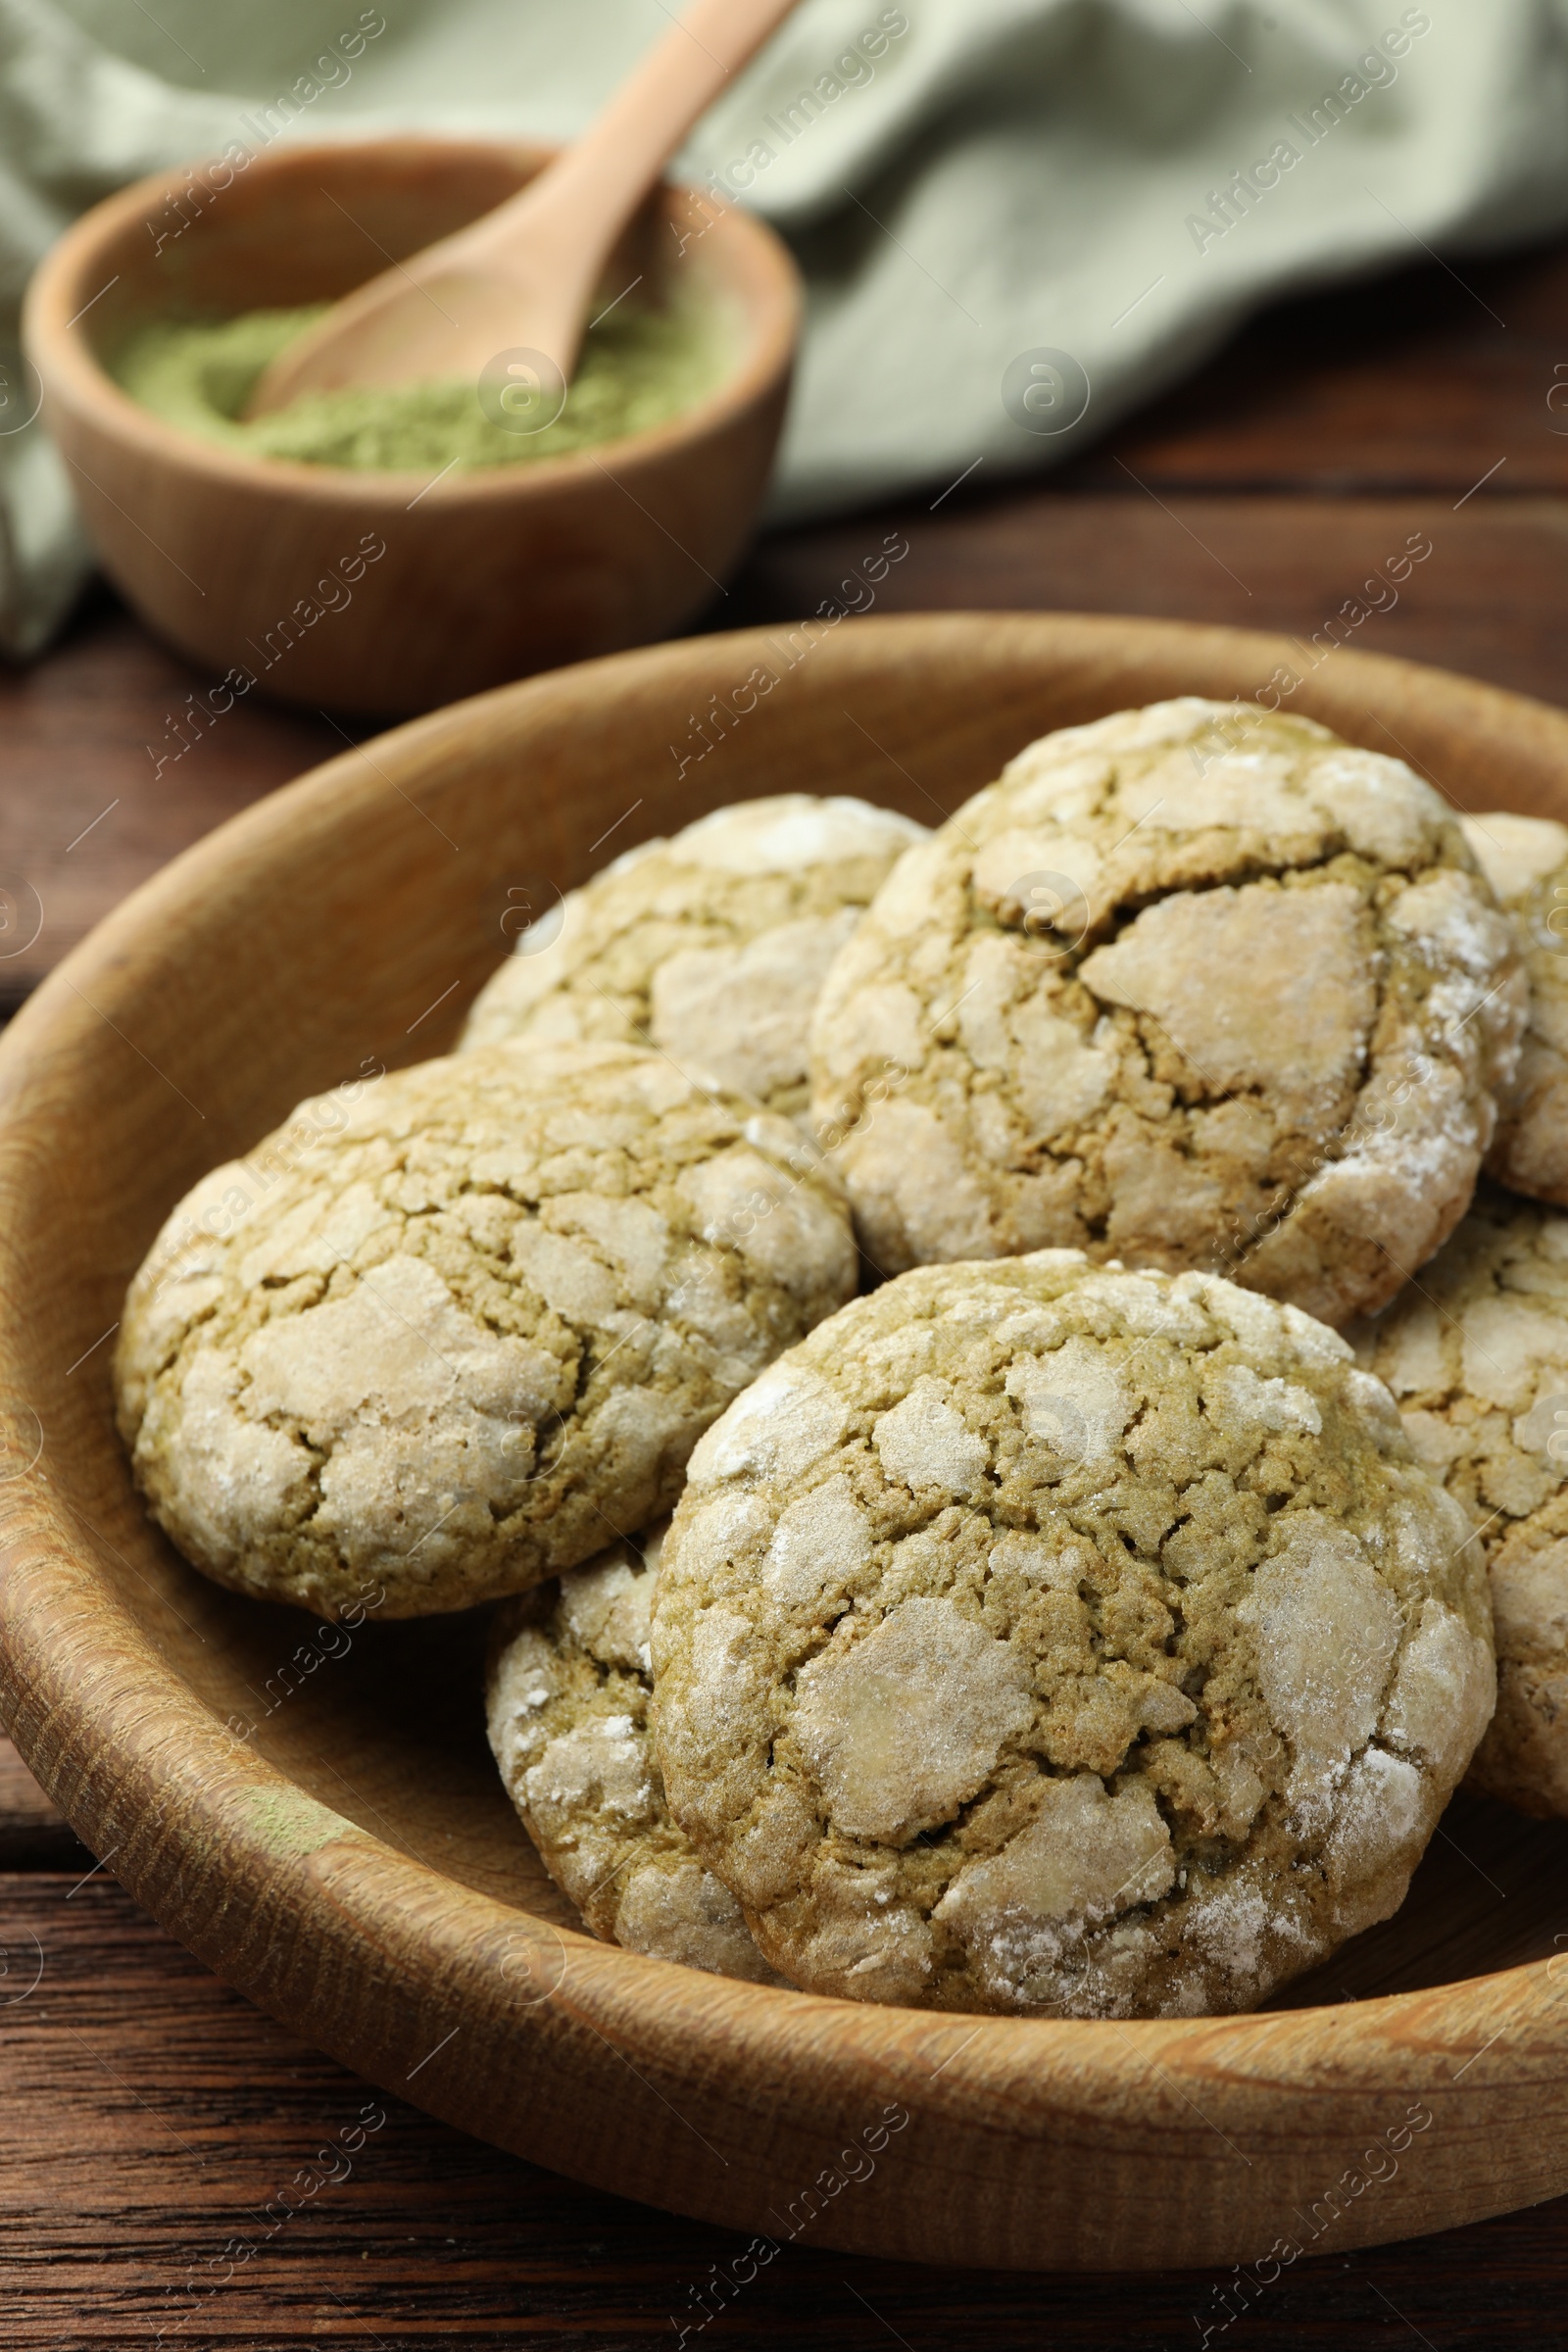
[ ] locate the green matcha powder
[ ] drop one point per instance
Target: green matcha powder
(638, 367)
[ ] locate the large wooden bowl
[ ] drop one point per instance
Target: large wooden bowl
(327, 1832)
(259, 566)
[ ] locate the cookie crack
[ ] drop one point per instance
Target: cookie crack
(1129, 906)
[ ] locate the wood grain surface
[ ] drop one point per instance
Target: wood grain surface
(150, 2119)
(1294, 450)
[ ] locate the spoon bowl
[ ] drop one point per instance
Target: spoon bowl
(390, 593)
(522, 276)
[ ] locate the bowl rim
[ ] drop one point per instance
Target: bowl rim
(307, 1899)
(70, 368)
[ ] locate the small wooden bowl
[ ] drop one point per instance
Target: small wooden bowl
(324, 1826)
(487, 574)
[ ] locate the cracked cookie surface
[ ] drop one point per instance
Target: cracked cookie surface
(1477, 1359)
(1525, 858)
(566, 1705)
(712, 945)
(1058, 1639)
(1191, 986)
(438, 1339)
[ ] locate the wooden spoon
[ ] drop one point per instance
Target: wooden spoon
(523, 277)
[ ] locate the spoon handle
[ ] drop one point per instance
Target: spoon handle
(619, 157)
(560, 229)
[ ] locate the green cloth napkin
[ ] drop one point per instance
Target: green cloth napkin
(1016, 218)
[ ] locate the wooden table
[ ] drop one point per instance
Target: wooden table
(149, 2115)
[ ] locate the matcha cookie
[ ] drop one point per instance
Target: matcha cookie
(1476, 1355)
(1193, 986)
(1525, 858)
(446, 1339)
(567, 1707)
(710, 945)
(1058, 1639)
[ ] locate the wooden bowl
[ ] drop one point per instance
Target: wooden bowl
(488, 574)
(326, 1831)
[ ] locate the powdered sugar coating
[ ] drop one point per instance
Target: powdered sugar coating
(428, 1341)
(1059, 1640)
(1526, 861)
(567, 1709)
(1477, 1359)
(1188, 986)
(712, 945)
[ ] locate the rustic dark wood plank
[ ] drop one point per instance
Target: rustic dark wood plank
(1489, 598)
(149, 2119)
(85, 811)
(1392, 385)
